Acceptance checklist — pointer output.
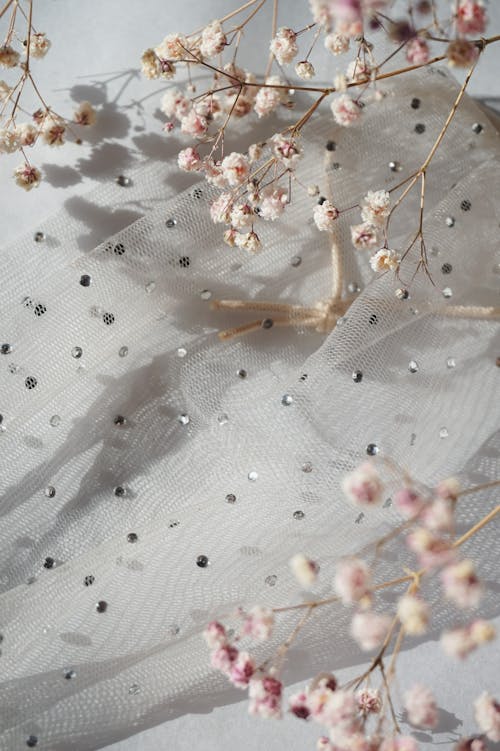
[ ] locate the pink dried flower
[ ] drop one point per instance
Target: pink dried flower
(369, 629)
(399, 743)
(305, 70)
(259, 623)
(213, 173)
(284, 45)
(385, 260)
(460, 642)
(242, 216)
(369, 700)
(27, 176)
(324, 215)
(304, 569)
(9, 58)
(174, 103)
(172, 47)
(352, 580)
(417, 51)
(265, 697)
(487, 715)
(53, 132)
(285, 149)
(340, 711)
(438, 515)
(408, 502)
(432, 551)
(26, 134)
(215, 635)
(220, 210)
(414, 614)
(364, 236)
(248, 241)
(268, 99)
(273, 203)
(461, 54)
(213, 40)
(223, 658)
(242, 670)
(337, 44)
(235, 168)
(254, 152)
(376, 207)
(189, 160)
(345, 110)
(363, 486)
(421, 706)
(461, 584)
(194, 124)
(358, 70)
(299, 706)
(85, 114)
(471, 17)
(39, 45)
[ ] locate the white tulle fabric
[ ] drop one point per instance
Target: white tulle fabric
(143, 660)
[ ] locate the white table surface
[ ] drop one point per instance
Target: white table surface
(96, 48)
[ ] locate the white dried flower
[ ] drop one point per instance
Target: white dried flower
(39, 45)
(220, 210)
(242, 216)
(414, 614)
(376, 207)
(249, 241)
(268, 99)
(305, 70)
(27, 176)
(235, 168)
(150, 65)
(364, 236)
(345, 110)
(213, 40)
(357, 70)
(273, 202)
(174, 103)
(173, 47)
(324, 215)
(337, 44)
(304, 570)
(340, 82)
(286, 149)
(254, 152)
(26, 134)
(85, 114)
(8, 141)
(53, 131)
(9, 58)
(284, 45)
(385, 260)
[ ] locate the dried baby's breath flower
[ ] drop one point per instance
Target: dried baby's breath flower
(27, 176)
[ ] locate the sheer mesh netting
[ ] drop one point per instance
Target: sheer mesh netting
(124, 413)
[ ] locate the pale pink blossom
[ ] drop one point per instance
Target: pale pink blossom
(213, 173)
(376, 207)
(172, 47)
(9, 58)
(174, 103)
(39, 45)
(305, 70)
(298, 704)
(273, 203)
(220, 210)
(448, 489)
(471, 17)
(345, 110)
(242, 216)
(8, 141)
(268, 99)
(417, 51)
(85, 114)
(242, 670)
(385, 260)
(352, 580)
(265, 697)
(194, 124)
(27, 176)
(304, 569)
(487, 715)
(235, 168)
(324, 215)
(461, 54)
(358, 70)
(215, 635)
(286, 149)
(369, 629)
(363, 486)
(223, 658)
(318, 697)
(438, 516)
(248, 241)
(189, 159)
(432, 551)
(369, 700)
(213, 40)
(414, 614)
(337, 44)
(364, 236)
(284, 45)
(26, 134)
(53, 132)
(461, 584)
(259, 623)
(421, 706)
(408, 502)
(399, 743)
(460, 642)
(339, 710)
